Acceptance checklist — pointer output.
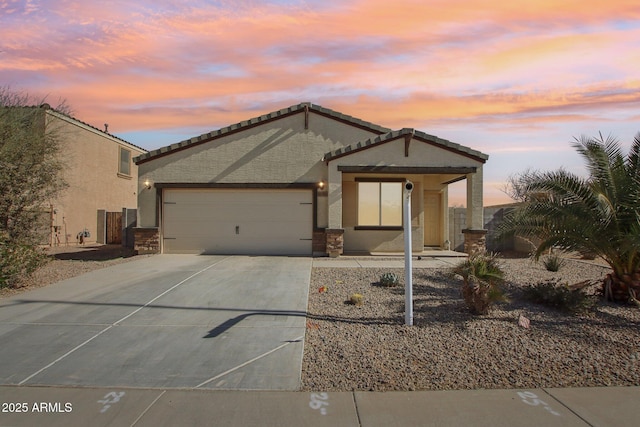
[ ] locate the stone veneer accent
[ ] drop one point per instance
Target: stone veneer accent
(475, 241)
(335, 241)
(146, 240)
(319, 243)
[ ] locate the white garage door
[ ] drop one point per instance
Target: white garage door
(236, 221)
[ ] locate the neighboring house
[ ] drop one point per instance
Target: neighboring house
(300, 181)
(102, 182)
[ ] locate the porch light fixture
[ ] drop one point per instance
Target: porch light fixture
(321, 185)
(147, 184)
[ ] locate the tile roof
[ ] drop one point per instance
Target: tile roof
(415, 134)
(65, 116)
(294, 109)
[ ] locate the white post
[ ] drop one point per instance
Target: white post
(408, 282)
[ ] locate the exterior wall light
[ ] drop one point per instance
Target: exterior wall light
(147, 184)
(321, 185)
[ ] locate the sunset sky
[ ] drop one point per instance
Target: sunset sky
(517, 80)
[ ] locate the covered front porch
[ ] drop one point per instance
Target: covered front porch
(365, 194)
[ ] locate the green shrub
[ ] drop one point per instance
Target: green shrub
(560, 296)
(18, 261)
(482, 279)
(553, 263)
(389, 280)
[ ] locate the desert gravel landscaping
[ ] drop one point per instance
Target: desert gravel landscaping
(368, 347)
(71, 261)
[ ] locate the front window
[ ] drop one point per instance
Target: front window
(380, 204)
(125, 162)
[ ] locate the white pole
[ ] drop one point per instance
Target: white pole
(408, 287)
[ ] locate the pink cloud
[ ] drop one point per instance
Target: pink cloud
(163, 65)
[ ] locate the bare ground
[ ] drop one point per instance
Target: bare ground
(66, 262)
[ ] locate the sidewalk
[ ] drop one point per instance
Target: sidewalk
(54, 406)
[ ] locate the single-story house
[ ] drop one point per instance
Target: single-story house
(304, 180)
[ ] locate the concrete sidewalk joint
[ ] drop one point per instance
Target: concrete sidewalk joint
(598, 406)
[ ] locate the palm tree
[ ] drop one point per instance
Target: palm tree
(599, 215)
(481, 281)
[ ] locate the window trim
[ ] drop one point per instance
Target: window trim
(377, 227)
(120, 172)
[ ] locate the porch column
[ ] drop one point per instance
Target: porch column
(146, 240)
(474, 234)
(335, 232)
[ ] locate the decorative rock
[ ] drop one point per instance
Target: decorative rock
(447, 348)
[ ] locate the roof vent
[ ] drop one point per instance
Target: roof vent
(106, 128)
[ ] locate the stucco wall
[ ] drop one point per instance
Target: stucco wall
(280, 151)
(379, 240)
(342, 197)
(390, 154)
(91, 160)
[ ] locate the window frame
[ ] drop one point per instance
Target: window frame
(126, 174)
(379, 181)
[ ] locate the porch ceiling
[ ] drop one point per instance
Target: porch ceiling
(447, 175)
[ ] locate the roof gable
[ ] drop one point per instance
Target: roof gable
(408, 134)
(304, 107)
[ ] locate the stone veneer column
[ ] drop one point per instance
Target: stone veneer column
(146, 240)
(335, 242)
(319, 242)
(475, 241)
(475, 203)
(475, 234)
(334, 231)
(334, 194)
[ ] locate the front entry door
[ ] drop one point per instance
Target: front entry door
(432, 218)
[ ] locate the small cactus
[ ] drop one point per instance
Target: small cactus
(356, 299)
(389, 280)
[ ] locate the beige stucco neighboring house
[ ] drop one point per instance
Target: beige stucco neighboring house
(102, 182)
(300, 181)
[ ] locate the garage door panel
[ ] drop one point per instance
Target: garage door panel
(277, 222)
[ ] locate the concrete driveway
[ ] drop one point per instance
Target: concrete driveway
(169, 321)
